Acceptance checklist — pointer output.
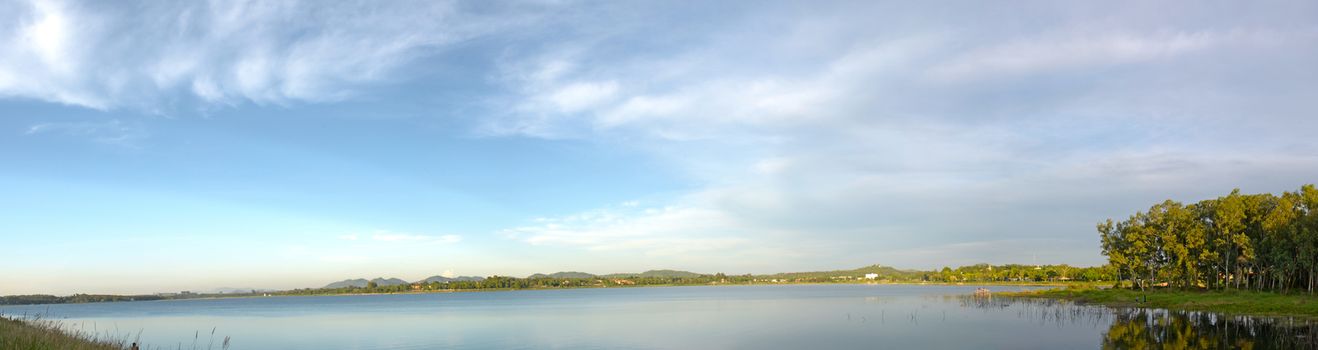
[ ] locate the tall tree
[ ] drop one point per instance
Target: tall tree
(1307, 233)
(1114, 247)
(1257, 241)
(1229, 222)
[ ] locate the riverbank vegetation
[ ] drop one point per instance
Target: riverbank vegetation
(1254, 254)
(72, 299)
(1234, 301)
(1261, 242)
(40, 334)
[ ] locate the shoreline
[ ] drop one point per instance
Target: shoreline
(478, 290)
(1234, 302)
(42, 334)
(1269, 305)
(1230, 302)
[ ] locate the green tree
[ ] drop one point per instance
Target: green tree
(1307, 233)
(1114, 247)
(1229, 223)
(1257, 241)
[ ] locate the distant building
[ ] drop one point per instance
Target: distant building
(870, 276)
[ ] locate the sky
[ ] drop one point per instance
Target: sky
(190, 145)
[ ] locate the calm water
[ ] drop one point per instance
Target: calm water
(744, 317)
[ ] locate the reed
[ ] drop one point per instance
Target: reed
(1238, 302)
(37, 333)
(34, 332)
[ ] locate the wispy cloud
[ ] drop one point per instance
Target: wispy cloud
(629, 228)
(844, 135)
(111, 132)
(1019, 251)
(1095, 49)
(103, 56)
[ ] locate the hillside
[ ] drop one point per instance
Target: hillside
(566, 274)
(885, 272)
(442, 279)
(655, 274)
(361, 283)
(231, 290)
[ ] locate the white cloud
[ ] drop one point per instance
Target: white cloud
(48, 35)
(99, 55)
(1092, 49)
(950, 131)
(1021, 251)
(110, 132)
(772, 166)
(575, 97)
(690, 104)
(652, 231)
(826, 132)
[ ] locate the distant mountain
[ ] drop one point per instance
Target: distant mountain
(389, 282)
(442, 279)
(650, 273)
(655, 273)
(230, 290)
(361, 283)
(567, 274)
(882, 271)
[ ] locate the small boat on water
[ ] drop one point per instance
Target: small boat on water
(982, 292)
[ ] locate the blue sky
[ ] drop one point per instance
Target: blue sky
(164, 146)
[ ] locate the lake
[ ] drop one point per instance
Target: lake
(841, 316)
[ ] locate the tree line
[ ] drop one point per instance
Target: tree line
(1238, 241)
(1021, 273)
(970, 273)
(506, 282)
(72, 299)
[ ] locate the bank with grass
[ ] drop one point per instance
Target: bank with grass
(40, 335)
(1232, 302)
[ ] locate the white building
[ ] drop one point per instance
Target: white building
(870, 276)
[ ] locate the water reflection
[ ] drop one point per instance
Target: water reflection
(1142, 328)
(1138, 328)
(750, 317)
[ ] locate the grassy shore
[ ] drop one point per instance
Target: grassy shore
(40, 335)
(1234, 302)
